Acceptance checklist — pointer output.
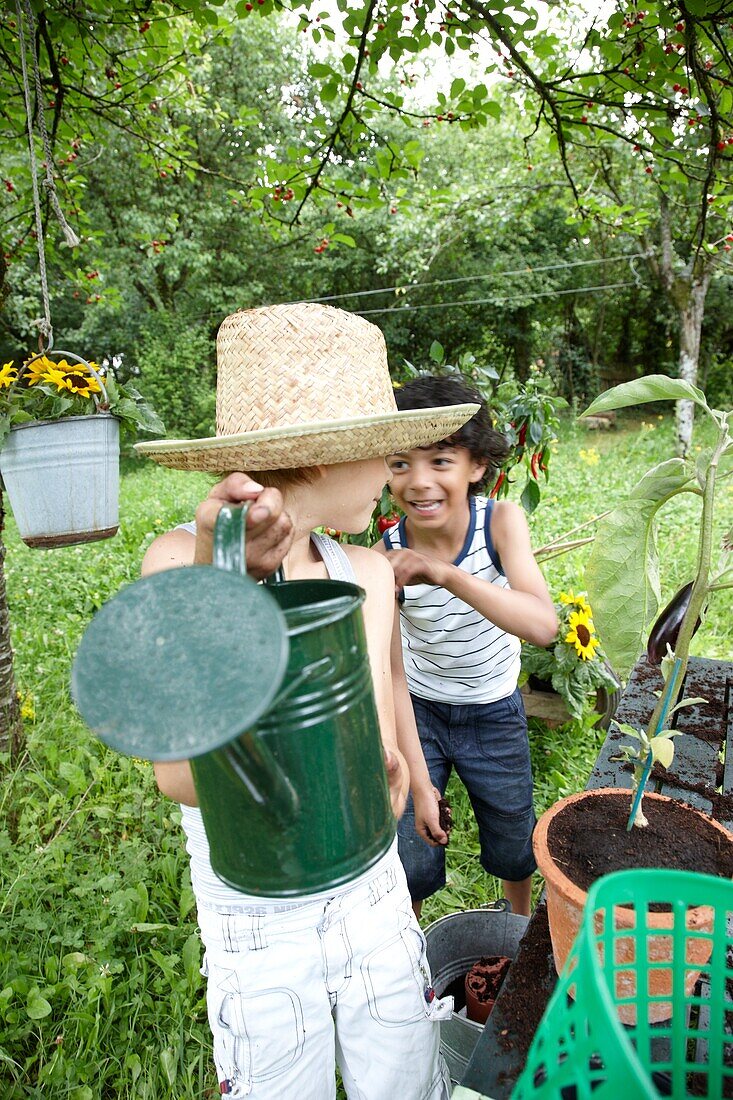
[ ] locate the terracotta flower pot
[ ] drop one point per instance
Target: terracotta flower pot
(482, 984)
(566, 901)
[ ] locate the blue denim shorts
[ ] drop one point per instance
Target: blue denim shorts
(487, 745)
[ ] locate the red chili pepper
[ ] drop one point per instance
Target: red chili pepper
(385, 522)
(523, 434)
(534, 464)
(498, 484)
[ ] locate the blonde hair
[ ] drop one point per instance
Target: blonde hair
(285, 479)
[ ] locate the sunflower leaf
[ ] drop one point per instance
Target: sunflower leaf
(622, 575)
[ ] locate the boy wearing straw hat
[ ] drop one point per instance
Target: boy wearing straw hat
(305, 405)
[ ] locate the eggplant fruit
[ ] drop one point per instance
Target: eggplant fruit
(667, 626)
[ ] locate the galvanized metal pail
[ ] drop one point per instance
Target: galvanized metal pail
(62, 479)
(454, 944)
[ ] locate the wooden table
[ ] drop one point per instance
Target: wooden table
(696, 772)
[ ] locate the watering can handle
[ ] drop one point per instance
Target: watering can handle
(229, 552)
(249, 757)
(229, 542)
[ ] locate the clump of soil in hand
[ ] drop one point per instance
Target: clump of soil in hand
(483, 982)
(445, 819)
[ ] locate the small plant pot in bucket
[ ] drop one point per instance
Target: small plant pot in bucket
(482, 985)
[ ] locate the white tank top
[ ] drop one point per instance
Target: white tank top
(210, 891)
(451, 652)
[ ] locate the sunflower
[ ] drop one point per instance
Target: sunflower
(8, 375)
(579, 601)
(37, 370)
(53, 375)
(582, 635)
(79, 381)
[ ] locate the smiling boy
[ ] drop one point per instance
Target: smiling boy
(469, 589)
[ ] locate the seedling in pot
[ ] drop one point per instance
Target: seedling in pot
(622, 576)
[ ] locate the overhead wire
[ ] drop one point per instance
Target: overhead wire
(528, 269)
(496, 301)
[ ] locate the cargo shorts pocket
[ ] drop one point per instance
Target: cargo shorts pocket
(257, 1035)
(396, 979)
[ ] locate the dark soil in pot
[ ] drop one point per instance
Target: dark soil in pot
(589, 839)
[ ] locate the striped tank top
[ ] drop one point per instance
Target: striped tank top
(209, 890)
(451, 652)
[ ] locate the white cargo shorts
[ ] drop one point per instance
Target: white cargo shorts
(294, 991)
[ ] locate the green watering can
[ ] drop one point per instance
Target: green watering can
(267, 691)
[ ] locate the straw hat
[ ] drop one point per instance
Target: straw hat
(300, 385)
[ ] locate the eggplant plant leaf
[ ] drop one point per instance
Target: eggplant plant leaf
(663, 749)
(653, 387)
(694, 700)
(622, 574)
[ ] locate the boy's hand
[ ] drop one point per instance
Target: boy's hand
(397, 790)
(413, 568)
(428, 822)
(269, 528)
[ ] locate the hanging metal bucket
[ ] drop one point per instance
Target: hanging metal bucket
(268, 692)
(62, 476)
(454, 944)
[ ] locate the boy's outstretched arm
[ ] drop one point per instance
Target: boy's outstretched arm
(424, 795)
(525, 609)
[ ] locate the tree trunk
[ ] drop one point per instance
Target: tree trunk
(687, 289)
(11, 726)
(691, 313)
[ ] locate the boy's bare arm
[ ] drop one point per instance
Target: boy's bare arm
(525, 609)
(375, 577)
(424, 795)
(269, 534)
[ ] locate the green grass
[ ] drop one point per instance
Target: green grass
(100, 992)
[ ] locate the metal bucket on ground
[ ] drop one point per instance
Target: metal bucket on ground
(454, 943)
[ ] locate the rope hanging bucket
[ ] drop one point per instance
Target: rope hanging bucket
(62, 476)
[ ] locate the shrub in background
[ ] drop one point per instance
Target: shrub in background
(178, 374)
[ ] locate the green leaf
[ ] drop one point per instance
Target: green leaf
(530, 497)
(37, 1006)
(168, 1063)
(622, 575)
(624, 598)
(654, 387)
(662, 750)
(437, 352)
(192, 961)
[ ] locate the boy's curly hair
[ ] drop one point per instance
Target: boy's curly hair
(478, 435)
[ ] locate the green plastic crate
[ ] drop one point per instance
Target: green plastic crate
(581, 1047)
